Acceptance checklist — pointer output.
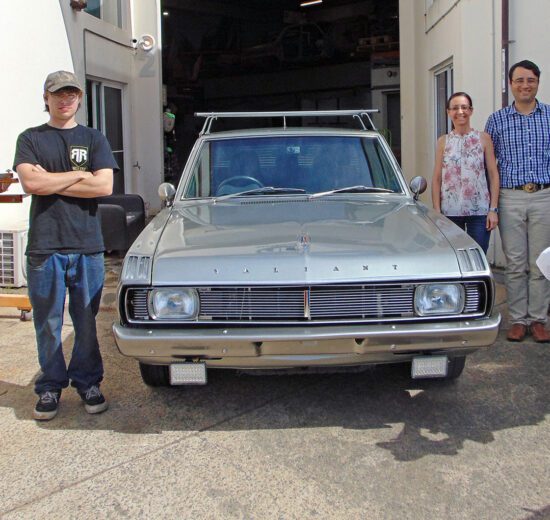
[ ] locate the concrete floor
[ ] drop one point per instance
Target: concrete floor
(370, 445)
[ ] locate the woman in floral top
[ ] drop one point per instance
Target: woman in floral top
(459, 185)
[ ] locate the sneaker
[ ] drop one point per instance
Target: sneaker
(47, 405)
(94, 400)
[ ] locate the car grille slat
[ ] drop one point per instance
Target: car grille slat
(307, 304)
(362, 301)
(473, 298)
(248, 303)
(137, 305)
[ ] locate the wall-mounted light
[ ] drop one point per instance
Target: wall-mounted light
(165, 13)
(146, 43)
(78, 5)
(308, 3)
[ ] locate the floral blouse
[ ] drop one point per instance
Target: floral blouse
(464, 189)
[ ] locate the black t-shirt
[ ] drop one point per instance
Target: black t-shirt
(59, 223)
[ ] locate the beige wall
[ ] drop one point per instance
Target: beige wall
(465, 33)
(468, 33)
(108, 53)
(146, 104)
(530, 35)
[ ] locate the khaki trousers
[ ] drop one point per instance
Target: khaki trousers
(524, 224)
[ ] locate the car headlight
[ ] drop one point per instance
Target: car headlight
(439, 299)
(174, 303)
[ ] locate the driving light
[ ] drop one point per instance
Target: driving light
(429, 366)
(188, 374)
(439, 299)
(174, 303)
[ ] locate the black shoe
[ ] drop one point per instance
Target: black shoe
(47, 405)
(94, 400)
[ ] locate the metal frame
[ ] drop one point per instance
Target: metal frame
(358, 114)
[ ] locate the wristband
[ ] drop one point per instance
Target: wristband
(495, 210)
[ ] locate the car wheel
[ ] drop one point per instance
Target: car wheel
(154, 375)
(456, 366)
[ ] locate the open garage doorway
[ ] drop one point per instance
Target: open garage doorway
(226, 55)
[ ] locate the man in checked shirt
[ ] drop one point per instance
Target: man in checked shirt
(521, 136)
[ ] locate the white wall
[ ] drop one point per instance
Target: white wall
(47, 35)
(35, 43)
(34, 40)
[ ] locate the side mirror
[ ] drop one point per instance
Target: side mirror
(167, 192)
(418, 185)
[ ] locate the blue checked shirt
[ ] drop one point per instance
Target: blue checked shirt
(522, 145)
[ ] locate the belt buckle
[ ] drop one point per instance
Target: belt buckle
(530, 187)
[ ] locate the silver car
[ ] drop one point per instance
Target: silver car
(286, 248)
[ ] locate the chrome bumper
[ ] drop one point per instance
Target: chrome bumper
(304, 346)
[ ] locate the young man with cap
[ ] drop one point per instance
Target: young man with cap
(65, 166)
(521, 136)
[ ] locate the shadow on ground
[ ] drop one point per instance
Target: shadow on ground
(501, 388)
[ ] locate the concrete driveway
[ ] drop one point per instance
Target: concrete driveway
(356, 446)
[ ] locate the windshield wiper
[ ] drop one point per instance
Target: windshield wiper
(353, 189)
(265, 190)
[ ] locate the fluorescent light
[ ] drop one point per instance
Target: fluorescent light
(310, 2)
(165, 13)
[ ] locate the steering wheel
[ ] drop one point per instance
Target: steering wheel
(242, 180)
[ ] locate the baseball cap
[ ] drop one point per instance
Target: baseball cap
(61, 79)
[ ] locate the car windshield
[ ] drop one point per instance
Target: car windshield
(288, 165)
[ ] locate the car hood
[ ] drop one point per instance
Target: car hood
(299, 241)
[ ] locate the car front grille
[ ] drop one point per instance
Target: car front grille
(324, 303)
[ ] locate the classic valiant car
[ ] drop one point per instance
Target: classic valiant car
(300, 247)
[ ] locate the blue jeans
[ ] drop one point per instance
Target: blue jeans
(475, 226)
(49, 277)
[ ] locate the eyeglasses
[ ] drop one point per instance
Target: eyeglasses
(521, 81)
(456, 108)
(67, 97)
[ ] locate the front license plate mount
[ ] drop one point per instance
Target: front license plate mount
(188, 374)
(423, 367)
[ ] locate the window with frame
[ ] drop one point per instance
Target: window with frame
(443, 83)
(308, 164)
(107, 10)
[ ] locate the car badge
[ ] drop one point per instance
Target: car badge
(304, 241)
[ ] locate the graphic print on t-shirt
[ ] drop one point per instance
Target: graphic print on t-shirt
(79, 157)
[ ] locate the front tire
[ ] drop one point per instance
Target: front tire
(155, 375)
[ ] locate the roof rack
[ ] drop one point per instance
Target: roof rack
(358, 114)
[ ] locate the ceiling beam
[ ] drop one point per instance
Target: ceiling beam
(213, 7)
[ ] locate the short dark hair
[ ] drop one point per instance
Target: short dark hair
(524, 64)
(457, 94)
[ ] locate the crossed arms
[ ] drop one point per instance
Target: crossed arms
(37, 181)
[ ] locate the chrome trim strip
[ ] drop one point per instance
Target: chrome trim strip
(234, 344)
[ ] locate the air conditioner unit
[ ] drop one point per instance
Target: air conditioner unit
(12, 258)
(14, 219)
